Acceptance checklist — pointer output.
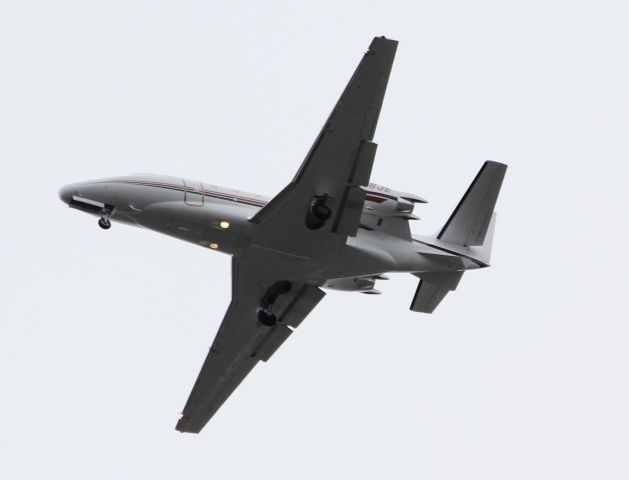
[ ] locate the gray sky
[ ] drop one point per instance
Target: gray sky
(520, 374)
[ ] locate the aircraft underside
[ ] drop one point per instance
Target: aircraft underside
(329, 227)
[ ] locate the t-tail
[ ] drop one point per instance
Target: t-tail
(468, 234)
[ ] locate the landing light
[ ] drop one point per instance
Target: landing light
(223, 224)
(213, 246)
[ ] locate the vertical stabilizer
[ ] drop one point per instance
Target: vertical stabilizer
(469, 223)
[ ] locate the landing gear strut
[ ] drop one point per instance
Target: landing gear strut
(104, 223)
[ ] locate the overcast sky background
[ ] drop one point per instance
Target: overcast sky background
(522, 373)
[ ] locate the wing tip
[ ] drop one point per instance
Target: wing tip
(183, 425)
(383, 41)
(498, 165)
(183, 429)
(383, 38)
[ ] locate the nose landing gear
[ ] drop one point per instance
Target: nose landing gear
(105, 213)
(104, 223)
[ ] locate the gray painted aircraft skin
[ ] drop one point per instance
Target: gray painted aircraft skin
(330, 227)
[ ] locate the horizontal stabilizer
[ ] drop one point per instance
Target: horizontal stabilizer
(433, 288)
(469, 222)
(427, 297)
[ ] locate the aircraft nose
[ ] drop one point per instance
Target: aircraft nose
(65, 193)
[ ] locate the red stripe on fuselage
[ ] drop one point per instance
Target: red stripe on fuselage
(373, 198)
(208, 193)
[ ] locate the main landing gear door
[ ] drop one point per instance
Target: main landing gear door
(193, 193)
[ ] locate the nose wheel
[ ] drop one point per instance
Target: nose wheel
(104, 223)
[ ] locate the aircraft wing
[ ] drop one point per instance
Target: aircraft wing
(339, 161)
(242, 340)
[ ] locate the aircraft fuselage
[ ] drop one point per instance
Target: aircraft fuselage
(218, 219)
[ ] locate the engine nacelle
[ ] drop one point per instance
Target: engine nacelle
(355, 284)
(386, 202)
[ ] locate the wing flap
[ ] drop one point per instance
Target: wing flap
(364, 164)
(347, 222)
(302, 305)
(274, 340)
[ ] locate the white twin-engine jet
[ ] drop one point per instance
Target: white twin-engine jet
(330, 227)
